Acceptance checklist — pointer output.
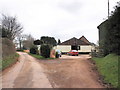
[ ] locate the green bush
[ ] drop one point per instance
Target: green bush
(97, 54)
(45, 50)
(93, 53)
(101, 53)
(34, 50)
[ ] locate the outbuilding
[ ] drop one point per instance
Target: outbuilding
(82, 45)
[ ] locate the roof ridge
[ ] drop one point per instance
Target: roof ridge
(74, 41)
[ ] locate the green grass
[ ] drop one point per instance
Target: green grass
(36, 56)
(108, 68)
(8, 61)
(39, 57)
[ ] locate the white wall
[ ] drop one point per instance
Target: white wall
(85, 48)
(67, 48)
(63, 48)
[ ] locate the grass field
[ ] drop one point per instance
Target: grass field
(108, 68)
(8, 61)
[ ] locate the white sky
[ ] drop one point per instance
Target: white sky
(62, 19)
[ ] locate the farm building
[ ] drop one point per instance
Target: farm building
(82, 45)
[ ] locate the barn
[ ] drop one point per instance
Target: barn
(82, 45)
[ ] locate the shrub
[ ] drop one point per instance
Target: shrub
(97, 54)
(45, 50)
(34, 50)
(101, 53)
(8, 48)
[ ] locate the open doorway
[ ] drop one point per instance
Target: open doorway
(74, 47)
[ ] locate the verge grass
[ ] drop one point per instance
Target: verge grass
(8, 61)
(108, 68)
(39, 57)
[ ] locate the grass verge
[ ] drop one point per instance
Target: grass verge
(108, 68)
(39, 57)
(10, 60)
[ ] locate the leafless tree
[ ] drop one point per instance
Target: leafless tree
(28, 41)
(10, 27)
(19, 40)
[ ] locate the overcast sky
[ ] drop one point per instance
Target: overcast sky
(62, 19)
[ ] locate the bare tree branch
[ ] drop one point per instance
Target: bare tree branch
(10, 27)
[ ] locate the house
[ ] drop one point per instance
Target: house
(82, 45)
(102, 32)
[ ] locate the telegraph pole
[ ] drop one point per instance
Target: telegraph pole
(108, 8)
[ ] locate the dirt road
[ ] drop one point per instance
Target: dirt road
(66, 72)
(27, 73)
(71, 72)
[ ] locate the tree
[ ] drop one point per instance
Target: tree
(45, 50)
(38, 42)
(112, 38)
(59, 41)
(20, 40)
(28, 41)
(48, 40)
(10, 27)
(34, 49)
